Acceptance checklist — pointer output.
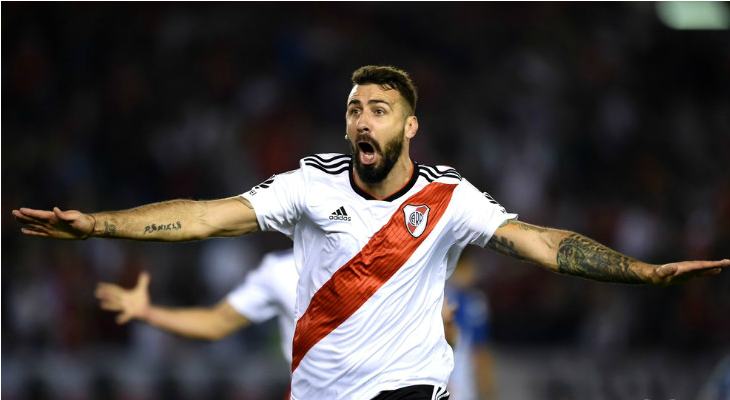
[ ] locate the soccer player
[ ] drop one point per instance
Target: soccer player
(375, 236)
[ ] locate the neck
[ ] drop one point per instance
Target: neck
(396, 179)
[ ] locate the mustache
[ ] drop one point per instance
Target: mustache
(362, 138)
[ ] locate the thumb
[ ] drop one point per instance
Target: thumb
(143, 281)
(666, 270)
(123, 318)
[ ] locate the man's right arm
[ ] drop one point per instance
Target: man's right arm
(174, 221)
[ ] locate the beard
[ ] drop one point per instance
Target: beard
(375, 173)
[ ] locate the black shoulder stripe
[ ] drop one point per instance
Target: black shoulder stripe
(327, 162)
(327, 166)
(330, 170)
(491, 200)
(433, 173)
(428, 175)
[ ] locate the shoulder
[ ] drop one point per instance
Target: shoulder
(328, 163)
(441, 173)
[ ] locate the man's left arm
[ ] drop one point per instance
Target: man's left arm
(571, 253)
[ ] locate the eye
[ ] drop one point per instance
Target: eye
(379, 111)
(353, 111)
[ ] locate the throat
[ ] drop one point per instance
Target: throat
(398, 178)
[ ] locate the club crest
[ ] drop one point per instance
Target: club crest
(416, 218)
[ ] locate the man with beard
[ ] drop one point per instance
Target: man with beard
(375, 236)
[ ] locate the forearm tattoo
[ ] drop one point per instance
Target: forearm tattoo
(504, 246)
(109, 229)
(525, 226)
(581, 256)
(174, 226)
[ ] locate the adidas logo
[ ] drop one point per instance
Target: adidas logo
(340, 215)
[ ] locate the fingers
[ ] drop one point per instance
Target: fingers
(110, 306)
(708, 264)
(123, 318)
(31, 221)
(143, 282)
(35, 232)
(31, 213)
(23, 218)
(671, 269)
(109, 296)
(713, 271)
(106, 289)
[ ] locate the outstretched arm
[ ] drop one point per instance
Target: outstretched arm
(176, 220)
(209, 323)
(574, 254)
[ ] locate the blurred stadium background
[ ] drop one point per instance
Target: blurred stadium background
(598, 117)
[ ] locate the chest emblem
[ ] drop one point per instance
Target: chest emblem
(416, 218)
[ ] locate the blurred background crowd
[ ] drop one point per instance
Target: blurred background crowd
(593, 117)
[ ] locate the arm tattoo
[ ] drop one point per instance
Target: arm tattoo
(581, 256)
(173, 226)
(109, 229)
(503, 246)
(525, 226)
(506, 247)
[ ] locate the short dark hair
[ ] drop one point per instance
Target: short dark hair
(389, 78)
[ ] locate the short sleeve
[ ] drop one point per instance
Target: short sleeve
(253, 298)
(278, 201)
(478, 214)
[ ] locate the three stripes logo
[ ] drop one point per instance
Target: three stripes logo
(491, 200)
(340, 215)
(263, 185)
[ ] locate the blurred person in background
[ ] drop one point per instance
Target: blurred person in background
(268, 291)
(357, 221)
(473, 377)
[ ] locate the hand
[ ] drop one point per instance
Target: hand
(57, 224)
(133, 303)
(451, 331)
(669, 274)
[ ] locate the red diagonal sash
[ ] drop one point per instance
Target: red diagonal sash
(355, 282)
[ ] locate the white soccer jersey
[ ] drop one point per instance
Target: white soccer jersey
(372, 272)
(270, 291)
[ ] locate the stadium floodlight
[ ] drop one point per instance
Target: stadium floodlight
(694, 15)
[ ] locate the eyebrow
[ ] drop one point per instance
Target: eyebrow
(373, 101)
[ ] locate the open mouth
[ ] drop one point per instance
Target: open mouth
(367, 152)
(366, 147)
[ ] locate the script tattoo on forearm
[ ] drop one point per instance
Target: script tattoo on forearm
(581, 256)
(173, 226)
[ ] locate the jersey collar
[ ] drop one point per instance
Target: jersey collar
(367, 196)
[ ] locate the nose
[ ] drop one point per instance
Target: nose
(363, 123)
